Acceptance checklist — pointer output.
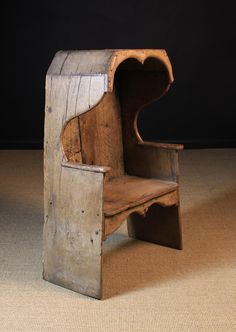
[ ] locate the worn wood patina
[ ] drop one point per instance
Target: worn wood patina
(98, 171)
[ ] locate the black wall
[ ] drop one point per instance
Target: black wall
(199, 37)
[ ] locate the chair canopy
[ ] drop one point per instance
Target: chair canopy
(107, 133)
(98, 172)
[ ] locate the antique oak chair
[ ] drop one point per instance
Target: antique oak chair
(98, 171)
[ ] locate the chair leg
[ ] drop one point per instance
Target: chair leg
(160, 225)
(76, 267)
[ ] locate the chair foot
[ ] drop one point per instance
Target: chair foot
(76, 271)
(160, 225)
(72, 234)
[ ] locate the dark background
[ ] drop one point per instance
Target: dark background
(199, 37)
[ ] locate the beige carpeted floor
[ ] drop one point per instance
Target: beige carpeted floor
(148, 287)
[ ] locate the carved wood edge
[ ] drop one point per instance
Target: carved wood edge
(111, 224)
(84, 167)
(139, 54)
(168, 146)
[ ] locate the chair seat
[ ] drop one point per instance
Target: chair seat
(126, 192)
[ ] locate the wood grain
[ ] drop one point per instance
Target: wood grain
(160, 225)
(158, 145)
(161, 159)
(113, 222)
(137, 192)
(101, 135)
(72, 246)
(91, 144)
(103, 62)
(71, 141)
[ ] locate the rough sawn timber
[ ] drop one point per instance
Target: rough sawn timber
(91, 139)
(73, 198)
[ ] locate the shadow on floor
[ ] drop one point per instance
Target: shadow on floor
(209, 231)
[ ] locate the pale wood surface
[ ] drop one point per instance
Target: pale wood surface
(84, 62)
(73, 233)
(72, 249)
(103, 62)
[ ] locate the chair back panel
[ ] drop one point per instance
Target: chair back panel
(101, 135)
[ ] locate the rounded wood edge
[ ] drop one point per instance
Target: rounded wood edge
(113, 222)
(167, 146)
(119, 56)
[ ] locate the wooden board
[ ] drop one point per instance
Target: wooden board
(103, 62)
(73, 233)
(140, 158)
(81, 84)
(160, 225)
(71, 245)
(128, 191)
(113, 222)
(101, 135)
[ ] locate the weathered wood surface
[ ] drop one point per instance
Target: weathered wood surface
(166, 159)
(71, 141)
(103, 62)
(72, 251)
(73, 246)
(101, 135)
(160, 225)
(161, 160)
(112, 223)
(84, 62)
(90, 95)
(137, 192)
(84, 167)
(168, 146)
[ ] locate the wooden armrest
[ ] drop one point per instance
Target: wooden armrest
(84, 167)
(162, 145)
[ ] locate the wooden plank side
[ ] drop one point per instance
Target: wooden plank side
(159, 163)
(67, 97)
(160, 225)
(141, 158)
(57, 63)
(89, 62)
(84, 62)
(73, 246)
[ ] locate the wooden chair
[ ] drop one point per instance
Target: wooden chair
(98, 170)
